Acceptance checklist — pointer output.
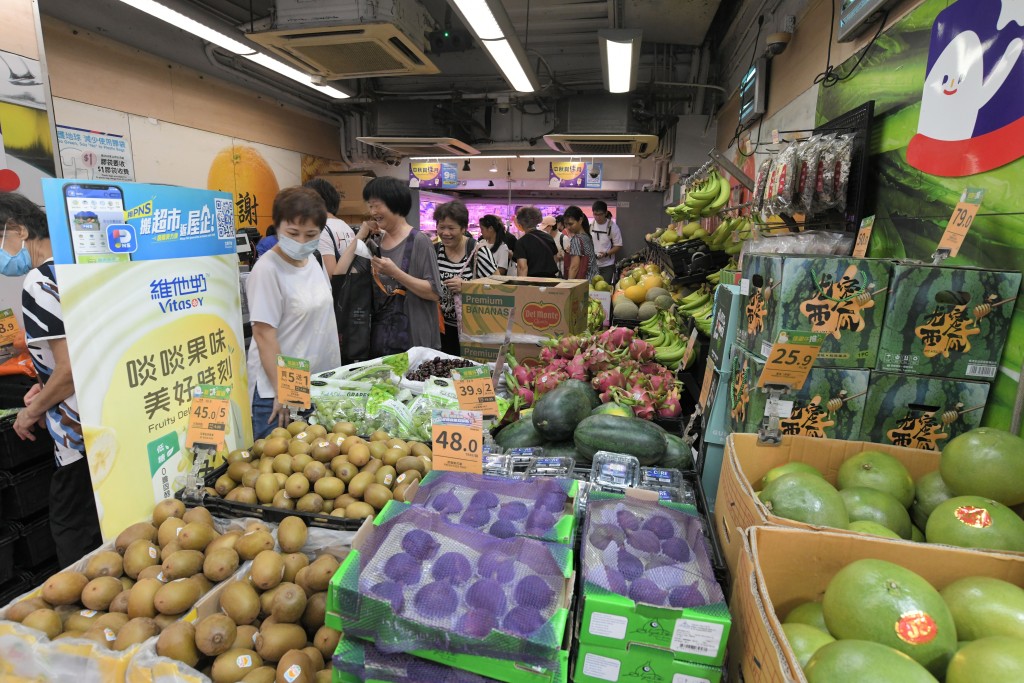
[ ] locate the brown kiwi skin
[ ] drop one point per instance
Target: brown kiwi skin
(226, 670)
(215, 634)
(178, 641)
(298, 667)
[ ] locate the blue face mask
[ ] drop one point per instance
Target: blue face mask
(17, 265)
(296, 250)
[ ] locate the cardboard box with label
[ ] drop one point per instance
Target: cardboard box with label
(830, 404)
(843, 297)
(712, 456)
(526, 353)
(921, 412)
(947, 321)
(540, 307)
(746, 461)
(605, 299)
(717, 424)
(637, 663)
(725, 322)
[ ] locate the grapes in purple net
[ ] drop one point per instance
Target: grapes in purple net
(513, 511)
(436, 600)
(643, 540)
(452, 567)
(677, 549)
(686, 596)
(553, 501)
(475, 517)
(522, 621)
(533, 591)
(392, 592)
(604, 534)
(647, 592)
(539, 521)
(661, 526)
(446, 503)
(495, 564)
(402, 568)
(616, 581)
(629, 565)
(476, 623)
(484, 499)
(420, 545)
(503, 529)
(487, 595)
(627, 520)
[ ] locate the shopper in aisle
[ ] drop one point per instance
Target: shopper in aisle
(535, 251)
(607, 240)
(562, 239)
(580, 260)
(492, 232)
(459, 258)
(290, 305)
(336, 234)
(52, 404)
(267, 242)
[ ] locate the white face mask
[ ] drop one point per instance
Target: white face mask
(297, 250)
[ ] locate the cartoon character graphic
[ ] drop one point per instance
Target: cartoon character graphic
(837, 304)
(644, 672)
(757, 308)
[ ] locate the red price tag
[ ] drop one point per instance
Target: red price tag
(791, 359)
(860, 247)
(9, 330)
(458, 439)
(961, 220)
(475, 390)
(208, 417)
(293, 382)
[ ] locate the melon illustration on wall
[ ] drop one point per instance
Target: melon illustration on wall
(243, 171)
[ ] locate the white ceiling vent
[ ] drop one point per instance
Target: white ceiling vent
(597, 145)
(421, 147)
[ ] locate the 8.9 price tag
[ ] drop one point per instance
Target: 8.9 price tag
(208, 416)
(961, 220)
(475, 390)
(458, 438)
(860, 247)
(293, 382)
(791, 359)
(9, 330)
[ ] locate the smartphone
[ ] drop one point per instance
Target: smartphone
(91, 209)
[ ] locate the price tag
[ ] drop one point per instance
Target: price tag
(705, 387)
(458, 437)
(208, 416)
(293, 381)
(791, 359)
(776, 138)
(474, 388)
(860, 247)
(960, 222)
(9, 330)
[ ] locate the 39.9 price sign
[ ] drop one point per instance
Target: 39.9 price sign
(458, 440)
(475, 390)
(791, 359)
(208, 416)
(9, 330)
(293, 382)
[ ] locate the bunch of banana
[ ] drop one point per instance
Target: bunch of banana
(697, 305)
(705, 198)
(664, 333)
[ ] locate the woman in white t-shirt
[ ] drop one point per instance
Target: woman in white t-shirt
(290, 305)
(492, 232)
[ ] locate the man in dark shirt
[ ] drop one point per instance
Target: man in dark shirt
(535, 251)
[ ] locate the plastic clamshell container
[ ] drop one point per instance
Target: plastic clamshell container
(660, 476)
(550, 467)
(615, 471)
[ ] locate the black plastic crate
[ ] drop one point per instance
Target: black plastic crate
(35, 545)
(39, 575)
(11, 589)
(14, 452)
(25, 492)
(7, 538)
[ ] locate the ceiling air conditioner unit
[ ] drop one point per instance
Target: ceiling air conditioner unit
(599, 125)
(408, 129)
(337, 39)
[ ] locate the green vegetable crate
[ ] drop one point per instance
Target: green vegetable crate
(596, 664)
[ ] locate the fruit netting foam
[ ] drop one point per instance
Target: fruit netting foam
(648, 552)
(500, 506)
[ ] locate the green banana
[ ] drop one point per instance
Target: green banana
(724, 192)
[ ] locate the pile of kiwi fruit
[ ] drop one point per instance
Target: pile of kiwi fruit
(308, 469)
(155, 574)
(270, 625)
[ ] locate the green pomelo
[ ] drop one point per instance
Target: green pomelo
(985, 462)
(877, 470)
(809, 614)
(865, 526)
(654, 292)
(861, 661)
(930, 490)
(872, 505)
(806, 498)
(889, 604)
(983, 606)
(998, 659)
(916, 535)
(976, 522)
(776, 472)
(805, 641)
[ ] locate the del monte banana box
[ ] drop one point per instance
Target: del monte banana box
(843, 297)
(947, 321)
(540, 308)
(830, 404)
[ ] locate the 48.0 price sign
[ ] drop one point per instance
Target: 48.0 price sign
(458, 440)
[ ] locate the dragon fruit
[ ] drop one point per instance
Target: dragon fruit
(640, 350)
(597, 359)
(548, 380)
(576, 370)
(615, 338)
(608, 379)
(548, 354)
(670, 406)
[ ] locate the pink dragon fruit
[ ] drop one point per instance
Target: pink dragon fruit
(607, 379)
(522, 375)
(526, 395)
(615, 338)
(658, 384)
(670, 406)
(597, 359)
(548, 354)
(568, 347)
(641, 350)
(548, 380)
(576, 370)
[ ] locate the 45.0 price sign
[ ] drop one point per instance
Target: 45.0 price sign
(208, 416)
(791, 359)
(458, 438)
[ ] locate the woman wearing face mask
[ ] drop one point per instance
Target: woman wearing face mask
(290, 305)
(458, 259)
(51, 404)
(580, 259)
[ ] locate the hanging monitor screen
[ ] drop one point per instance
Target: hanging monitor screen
(855, 15)
(754, 92)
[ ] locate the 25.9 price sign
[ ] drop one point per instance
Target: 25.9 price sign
(9, 330)
(791, 359)
(458, 440)
(208, 416)
(293, 382)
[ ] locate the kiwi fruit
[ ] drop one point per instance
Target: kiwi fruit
(320, 572)
(359, 510)
(409, 462)
(377, 495)
(120, 602)
(239, 601)
(289, 603)
(326, 640)
(315, 657)
(346, 471)
(166, 550)
(250, 476)
(242, 494)
(196, 536)
(21, 609)
(112, 620)
(178, 641)
(155, 571)
(283, 501)
(324, 676)
(344, 428)
(311, 502)
(400, 492)
(215, 634)
(296, 427)
(385, 475)
(297, 447)
(267, 600)
(276, 639)
(291, 534)
(143, 530)
(324, 451)
(266, 488)
(293, 562)
(252, 543)
(100, 592)
(328, 505)
(103, 636)
(329, 487)
(314, 471)
(265, 466)
(420, 449)
(256, 526)
(274, 446)
(245, 637)
(380, 435)
(358, 454)
(177, 596)
(226, 540)
(283, 464)
(295, 667)
(234, 665)
(358, 485)
(300, 461)
(377, 449)
(240, 455)
(220, 564)
(140, 598)
(224, 484)
(237, 469)
(264, 674)
(81, 620)
(198, 514)
(64, 588)
(392, 456)
(372, 466)
(408, 476)
(183, 564)
(297, 485)
(205, 585)
(344, 500)
(45, 620)
(165, 620)
(135, 631)
(105, 563)
(316, 609)
(267, 570)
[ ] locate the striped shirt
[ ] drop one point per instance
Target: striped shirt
(40, 304)
(582, 245)
(483, 266)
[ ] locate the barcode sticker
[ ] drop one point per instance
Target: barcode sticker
(745, 287)
(697, 637)
(981, 370)
(605, 668)
(766, 348)
(608, 625)
(683, 678)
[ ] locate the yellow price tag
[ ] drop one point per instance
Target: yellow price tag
(458, 440)
(705, 387)
(474, 388)
(9, 330)
(208, 416)
(293, 382)
(791, 359)
(960, 222)
(860, 247)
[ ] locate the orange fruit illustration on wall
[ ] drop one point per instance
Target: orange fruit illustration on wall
(242, 171)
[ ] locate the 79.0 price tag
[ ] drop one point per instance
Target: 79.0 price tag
(9, 330)
(208, 416)
(458, 438)
(961, 220)
(475, 390)
(293, 382)
(791, 359)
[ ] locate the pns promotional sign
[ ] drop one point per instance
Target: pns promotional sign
(98, 222)
(433, 174)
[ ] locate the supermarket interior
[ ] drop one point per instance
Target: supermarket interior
(511, 341)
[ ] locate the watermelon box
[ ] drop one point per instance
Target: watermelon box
(841, 296)
(737, 506)
(725, 322)
(947, 321)
(595, 664)
(540, 308)
(716, 416)
(921, 412)
(782, 568)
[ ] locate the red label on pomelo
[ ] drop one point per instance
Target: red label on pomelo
(977, 517)
(916, 628)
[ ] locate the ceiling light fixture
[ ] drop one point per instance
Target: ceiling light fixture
(620, 58)
(463, 156)
(490, 24)
(576, 156)
(186, 23)
(494, 167)
(465, 166)
(530, 168)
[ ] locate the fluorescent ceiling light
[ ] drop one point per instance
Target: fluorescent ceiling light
(508, 61)
(480, 18)
(494, 167)
(576, 156)
(305, 79)
(185, 23)
(464, 156)
(620, 58)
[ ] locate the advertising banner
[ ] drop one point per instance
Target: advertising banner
(433, 174)
(567, 174)
(595, 175)
(91, 155)
(150, 296)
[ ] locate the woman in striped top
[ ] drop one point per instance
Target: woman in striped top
(580, 259)
(459, 258)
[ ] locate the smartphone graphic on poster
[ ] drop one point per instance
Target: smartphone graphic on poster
(91, 209)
